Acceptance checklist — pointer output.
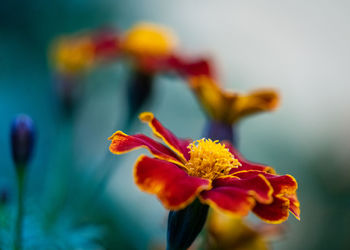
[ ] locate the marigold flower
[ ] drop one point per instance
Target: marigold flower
(214, 172)
(229, 107)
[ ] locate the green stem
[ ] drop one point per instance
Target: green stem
(19, 220)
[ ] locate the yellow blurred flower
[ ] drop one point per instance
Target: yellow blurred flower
(149, 40)
(232, 233)
(73, 55)
(229, 107)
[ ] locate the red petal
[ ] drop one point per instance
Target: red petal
(247, 165)
(183, 66)
(106, 43)
(276, 212)
(284, 187)
(294, 206)
(230, 200)
(196, 67)
(177, 145)
(155, 64)
(257, 186)
(172, 185)
(282, 184)
(123, 143)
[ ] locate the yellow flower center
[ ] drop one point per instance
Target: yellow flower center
(147, 39)
(210, 159)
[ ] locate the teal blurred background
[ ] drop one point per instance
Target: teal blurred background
(300, 48)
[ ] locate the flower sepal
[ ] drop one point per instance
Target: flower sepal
(184, 225)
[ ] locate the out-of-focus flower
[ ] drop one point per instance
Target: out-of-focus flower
(22, 139)
(208, 170)
(229, 107)
(151, 48)
(71, 55)
(228, 233)
(147, 45)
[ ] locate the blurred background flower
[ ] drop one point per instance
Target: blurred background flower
(300, 48)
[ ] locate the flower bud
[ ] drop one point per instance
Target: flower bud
(22, 139)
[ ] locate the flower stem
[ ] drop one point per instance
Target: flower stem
(220, 131)
(19, 219)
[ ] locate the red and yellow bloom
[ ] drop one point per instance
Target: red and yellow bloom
(208, 170)
(149, 46)
(229, 107)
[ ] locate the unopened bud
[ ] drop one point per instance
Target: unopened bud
(22, 139)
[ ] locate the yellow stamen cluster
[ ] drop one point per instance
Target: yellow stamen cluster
(210, 159)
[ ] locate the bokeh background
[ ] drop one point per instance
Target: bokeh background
(299, 47)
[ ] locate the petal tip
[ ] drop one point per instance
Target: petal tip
(115, 134)
(146, 116)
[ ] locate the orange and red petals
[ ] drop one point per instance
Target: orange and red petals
(247, 165)
(172, 185)
(284, 184)
(276, 212)
(177, 145)
(123, 143)
(230, 200)
(257, 186)
(284, 187)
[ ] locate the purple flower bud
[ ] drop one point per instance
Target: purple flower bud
(22, 139)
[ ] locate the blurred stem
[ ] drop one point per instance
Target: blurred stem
(19, 219)
(216, 130)
(139, 93)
